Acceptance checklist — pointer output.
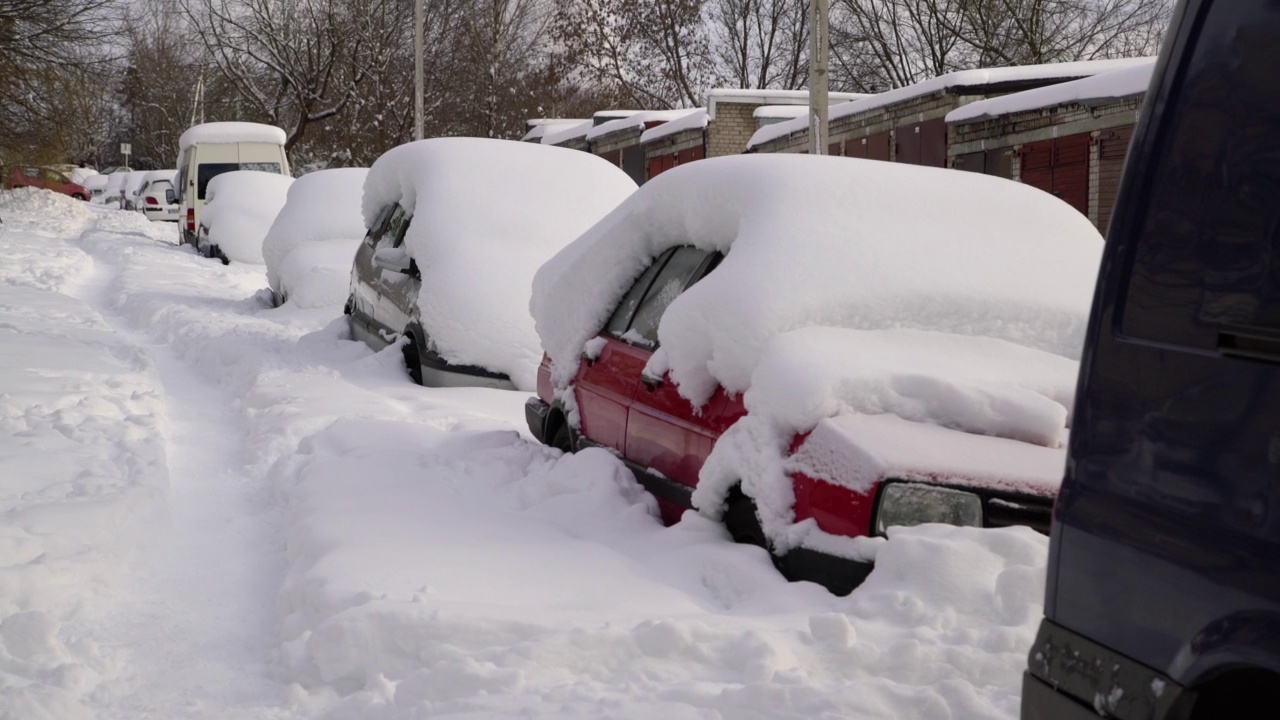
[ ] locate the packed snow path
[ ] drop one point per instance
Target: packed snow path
(215, 508)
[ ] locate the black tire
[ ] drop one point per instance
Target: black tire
(562, 439)
(412, 360)
(742, 520)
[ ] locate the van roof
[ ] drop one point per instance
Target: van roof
(230, 132)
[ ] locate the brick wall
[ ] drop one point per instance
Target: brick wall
(732, 127)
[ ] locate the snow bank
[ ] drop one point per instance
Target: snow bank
(322, 208)
(230, 132)
(486, 215)
(1104, 86)
(239, 209)
(44, 209)
(960, 79)
(817, 241)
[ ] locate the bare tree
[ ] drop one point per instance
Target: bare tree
(297, 62)
(880, 44)
(652, 53)
(761, 43)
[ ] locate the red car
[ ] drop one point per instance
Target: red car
(41, 177)
(955, 413)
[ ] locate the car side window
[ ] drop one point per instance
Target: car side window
(620, 321)
(684, 267)
(379, 224)
(393, 233)
(31, 172)
(1205, 270)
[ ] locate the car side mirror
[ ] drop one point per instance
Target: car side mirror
(170, 197)
(393, 259)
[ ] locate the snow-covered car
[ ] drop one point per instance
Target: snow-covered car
(133, 182)
(239, 207)
(46, 178)
(157, 198)
(456, 229)
(310, 246)
(96, 185)
(797, 346)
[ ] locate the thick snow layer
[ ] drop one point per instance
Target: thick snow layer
(783, 112)
(1104, 86)
(818, 241)
(331, 541)
(486, 215)
(694, 119)
(81, 174)
(322, 207)
(95, 182)
(230, 132)
(133, 182)
(239, 209)
(160, 175)
(638, 121)
(555, 136)
(950, 81)
(542, 127)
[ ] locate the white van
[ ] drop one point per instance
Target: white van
(208, 150)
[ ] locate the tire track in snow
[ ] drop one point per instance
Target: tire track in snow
(194, 623)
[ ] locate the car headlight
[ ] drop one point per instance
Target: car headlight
(907, 504)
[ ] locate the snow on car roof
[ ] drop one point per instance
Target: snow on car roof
(239, 209)
(825, 241)
(230, 132)
(486, 214)
(1104, 86)
(951, 81)
(320, 206)
(160, 175)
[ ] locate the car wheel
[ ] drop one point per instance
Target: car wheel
(742, 520)
(412, 360)
(79, 197)
(562, 440)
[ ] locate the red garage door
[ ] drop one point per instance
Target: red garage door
(1059, 166)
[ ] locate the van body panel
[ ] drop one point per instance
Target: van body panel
(201, 162)
(1165, 547)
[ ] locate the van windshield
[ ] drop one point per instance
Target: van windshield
(208, 171)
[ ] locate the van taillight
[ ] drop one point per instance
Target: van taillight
(191, 220)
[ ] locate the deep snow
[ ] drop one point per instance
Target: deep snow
(213, 508)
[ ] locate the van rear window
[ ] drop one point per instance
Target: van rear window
(208, 171)
(1206, 255)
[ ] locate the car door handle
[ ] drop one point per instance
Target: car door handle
(651, 382)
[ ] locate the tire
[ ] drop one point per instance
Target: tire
(412, 360)
(742, 520)
(562, 439)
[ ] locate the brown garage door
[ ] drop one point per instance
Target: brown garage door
(1059, 166)
(1113, 147)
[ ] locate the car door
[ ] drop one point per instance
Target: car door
(397, 288)
(364, 289)
(607, 376)
(665, 432)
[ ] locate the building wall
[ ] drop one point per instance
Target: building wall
(732, 127)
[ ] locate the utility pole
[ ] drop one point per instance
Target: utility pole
(418, 90)
(819, 49)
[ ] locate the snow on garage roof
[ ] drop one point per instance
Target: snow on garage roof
(555, 136)
(1103, 86)
(953, 81)
(694, 119)
(637, 120)
(230, 132)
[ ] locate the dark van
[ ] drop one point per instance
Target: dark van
(1163, 587)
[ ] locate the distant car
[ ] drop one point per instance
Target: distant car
(310, 246)
(780, 343)
(157, 198)
(133, 182)
(47, 178)
(239, 208)
(96, 185)
(456, 229)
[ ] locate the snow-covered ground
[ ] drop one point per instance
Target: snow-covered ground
(213, 508)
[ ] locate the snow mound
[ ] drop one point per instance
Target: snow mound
(322, 208)
(240, 207)
(40, 205)
(230, 132)
(486, 215)
(821, 241)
